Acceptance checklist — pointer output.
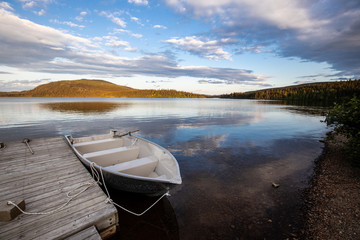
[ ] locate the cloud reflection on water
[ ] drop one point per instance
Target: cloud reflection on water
(229, 152)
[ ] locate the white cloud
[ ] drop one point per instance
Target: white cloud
(28, 4)
(134, 19)
(40, 13)
(282, 13)
(119, 31)
(131, 49)
(114, 42)
(207, 81)
(17, 85)
(260, 82)
(28, 46)
(210, 49)
(6, 6)
(81, 16)
(137, 35)
(254, 49)
(139, 2)
(119, 21)
(160, 26)
(60, 60)
(23, 41)
(68, 23)
(112, 16)
(320, 31)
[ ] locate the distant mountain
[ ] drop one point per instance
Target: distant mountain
(96, 88)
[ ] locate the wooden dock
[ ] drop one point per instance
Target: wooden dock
(43, 180)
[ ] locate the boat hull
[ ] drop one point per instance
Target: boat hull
(137, 186)
(130, 183)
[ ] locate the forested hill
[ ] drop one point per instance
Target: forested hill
(316, 92)
(95, 88)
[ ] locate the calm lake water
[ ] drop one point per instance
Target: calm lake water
(229, 152)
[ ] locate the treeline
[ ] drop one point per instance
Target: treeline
(164, 93)
(96, 88)
(327, 92)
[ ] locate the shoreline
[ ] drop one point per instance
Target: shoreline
(332, 201)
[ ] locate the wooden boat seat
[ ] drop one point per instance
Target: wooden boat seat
(98, 145)
(140, 167)
(113, 156)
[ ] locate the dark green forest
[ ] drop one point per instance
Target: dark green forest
(321, 93)
(316, 93)
(345, 120)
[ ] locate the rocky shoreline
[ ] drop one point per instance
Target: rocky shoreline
(333, 199)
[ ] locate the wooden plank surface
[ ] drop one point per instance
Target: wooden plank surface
(88, 234)
(43, 180)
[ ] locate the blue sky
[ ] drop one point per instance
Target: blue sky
(202, 46)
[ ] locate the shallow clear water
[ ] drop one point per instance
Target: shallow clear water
(229, 152)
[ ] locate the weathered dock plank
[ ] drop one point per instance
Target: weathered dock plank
(43, 180)
(88, 234)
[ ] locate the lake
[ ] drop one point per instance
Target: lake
(229, 152)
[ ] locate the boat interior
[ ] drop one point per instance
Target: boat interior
(129, 155)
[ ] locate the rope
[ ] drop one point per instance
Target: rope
(133, 143)
(68, 195)
(140, 214)
(96, 176)
(109, 200)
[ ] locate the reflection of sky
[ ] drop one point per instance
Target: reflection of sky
(30, 111)
(229, 152)
(260, 127)
(168, 120)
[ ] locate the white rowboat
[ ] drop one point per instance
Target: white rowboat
(128, 163)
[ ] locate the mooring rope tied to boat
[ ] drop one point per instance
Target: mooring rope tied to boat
(109, 200)
(96, 176)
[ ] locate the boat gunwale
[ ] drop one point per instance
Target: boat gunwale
(174, 180)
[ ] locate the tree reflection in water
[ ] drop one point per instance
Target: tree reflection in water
(229, 152)
(86, 108)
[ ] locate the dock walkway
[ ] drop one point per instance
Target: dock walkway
(43, 180)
